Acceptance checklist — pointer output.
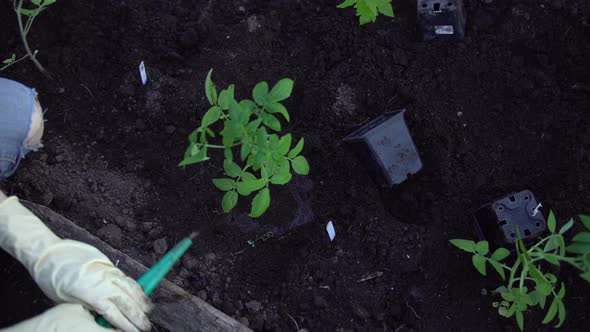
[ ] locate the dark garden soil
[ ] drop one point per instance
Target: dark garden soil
(507, 109)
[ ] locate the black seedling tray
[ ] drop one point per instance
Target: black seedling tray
(386, 146)
(497, 222)
(441, 20)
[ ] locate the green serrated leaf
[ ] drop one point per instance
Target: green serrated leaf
(224, 184)
(271, 122)
(561, 292)
(297, 149)
(585, 220)
(551, 222)
(551, 259)
(247, 176)
(542, 300)
(499, 268)
(385, 7)
(465, 245)
(284, 144)
(566, 227)
(582, 237)
(225, 97)
(260, 93)
(28, 12)
(347, 3)
(245, 150)
(211, 116)
(560, 314)
(210, 90)
(480, 263)
(551, 277)
(260, 203)
(520, 320)
(193, 159)
(232, 169)
(230, 199)
(281, 91)
(578, 248)
(482, 247)
(507, 296)
(281, 179)
(585, 276)
(246, 187)
(249, 105)
(228, 154)
(511, 311)
(300, 165)
(500, 253)
(277, 108)
(551, 312)
(551, 244)
(543, 287)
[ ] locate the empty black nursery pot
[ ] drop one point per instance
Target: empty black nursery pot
(441, 20)
(387, 148)
(497, 222)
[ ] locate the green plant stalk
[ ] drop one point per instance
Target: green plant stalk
(23, 35)
(14, 62)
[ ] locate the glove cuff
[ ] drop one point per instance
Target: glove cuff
(22, 234)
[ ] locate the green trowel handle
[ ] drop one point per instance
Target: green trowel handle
(150, 280)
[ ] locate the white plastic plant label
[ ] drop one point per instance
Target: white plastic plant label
(444, 29)
(331, 231)
(536, 209)
(143, 73)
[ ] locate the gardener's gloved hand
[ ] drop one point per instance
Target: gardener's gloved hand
(72, 271)
(62, 318)
(21, 124)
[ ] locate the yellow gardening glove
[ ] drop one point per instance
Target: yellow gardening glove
(62, 318)
(71, 271)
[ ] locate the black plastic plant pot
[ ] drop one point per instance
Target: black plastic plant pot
(442, 20)
(386, 146)
(498, 222)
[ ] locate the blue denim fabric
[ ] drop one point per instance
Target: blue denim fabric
(17, 103)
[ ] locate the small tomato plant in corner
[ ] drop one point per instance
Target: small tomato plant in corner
(368, 10)
(30, 13)
(530, 282)
(256, 154)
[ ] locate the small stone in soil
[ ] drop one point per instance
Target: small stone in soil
(216, 300)
(46, 198)
(111, 234)
(253, 306)
(170, 129)
(320, 302)
(228, 307)
(202, 294)
(244, 321)
(147, 226)
(155, 233)
(360, 312)
(161, 246)
(125, 223)
(189, 262)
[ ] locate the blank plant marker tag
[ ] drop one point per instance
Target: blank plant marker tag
(331, 231)
(143, 73)
(443, 29)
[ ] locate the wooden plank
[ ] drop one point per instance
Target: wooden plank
(175, 310)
